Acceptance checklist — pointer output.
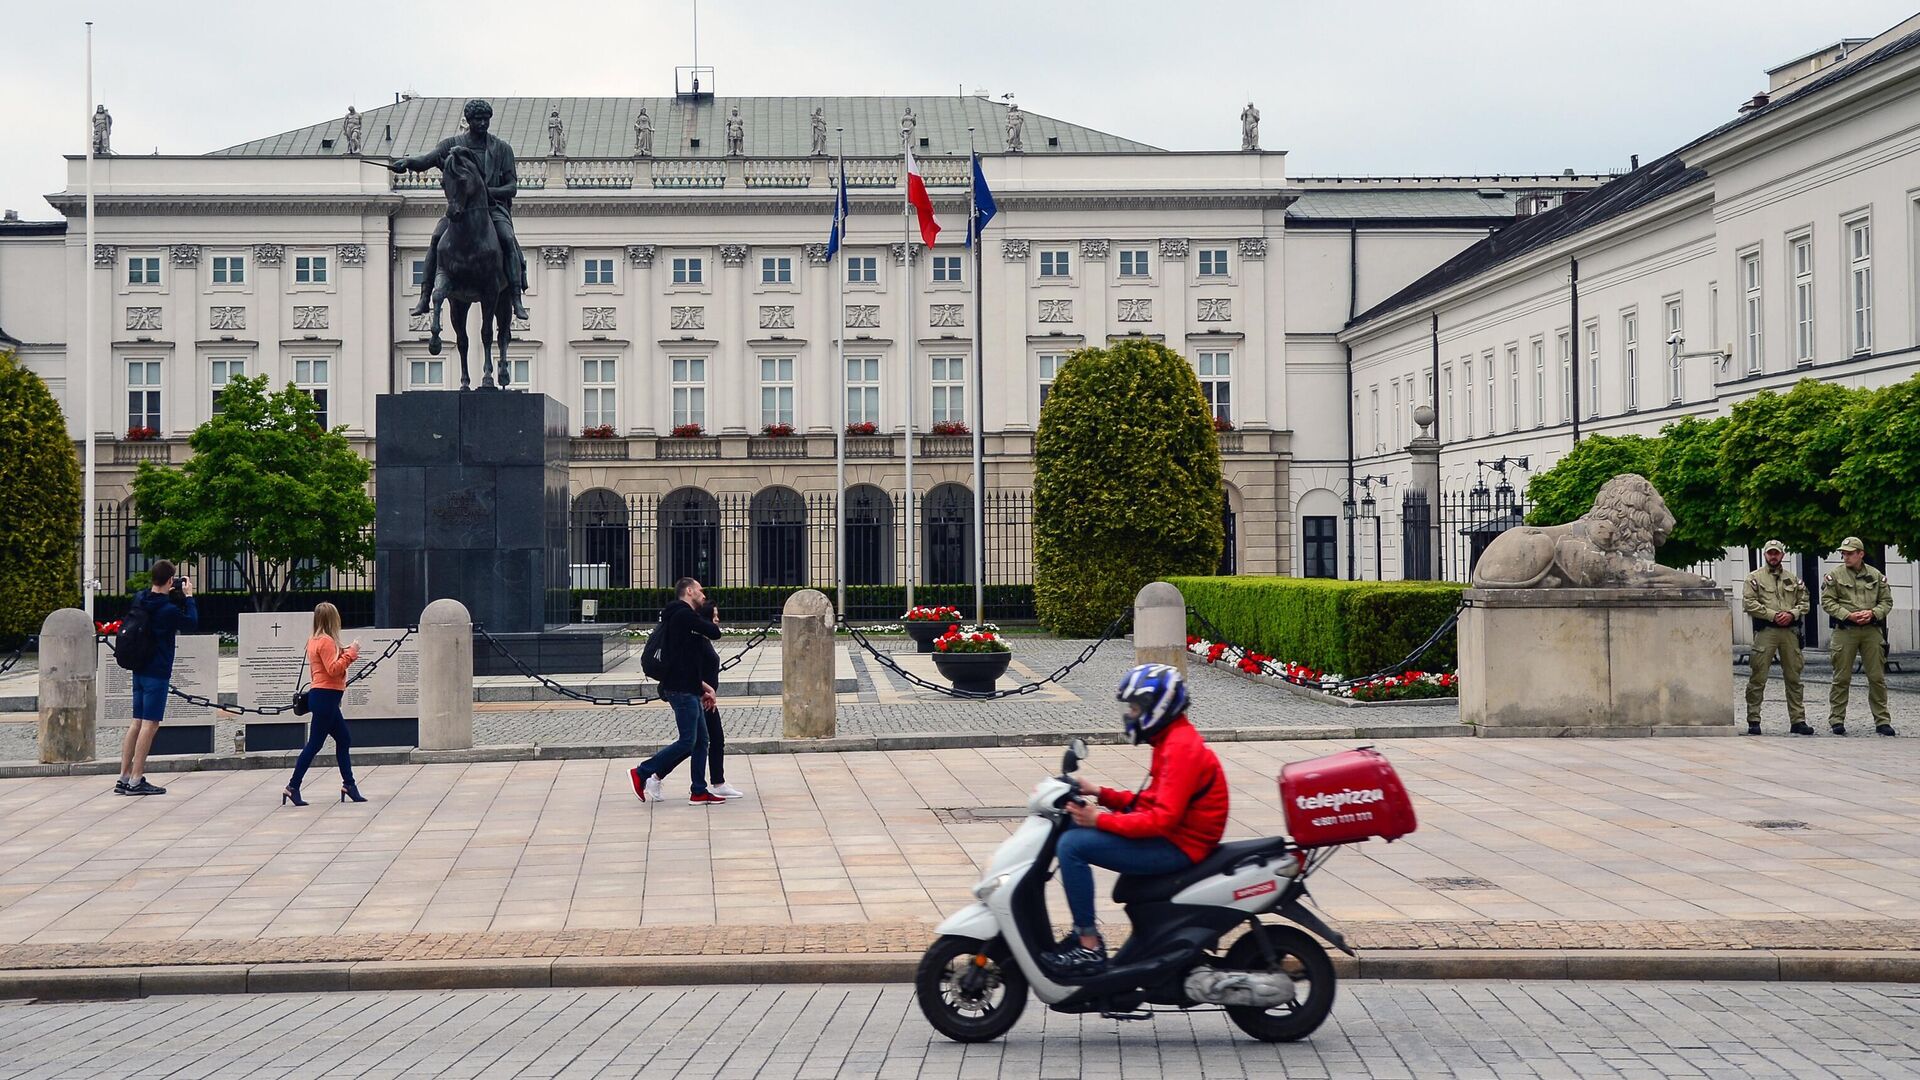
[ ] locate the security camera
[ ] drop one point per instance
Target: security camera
(1676, 339)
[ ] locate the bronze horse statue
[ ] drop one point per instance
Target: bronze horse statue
(471, 268)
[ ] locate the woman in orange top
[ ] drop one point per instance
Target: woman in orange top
(329, 663)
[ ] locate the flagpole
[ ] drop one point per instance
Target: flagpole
(906, 338)
(88, 579)
(840, 436)
(979, 400)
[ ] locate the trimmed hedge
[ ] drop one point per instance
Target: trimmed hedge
(874, 603)
(1347, 627)
(220, 611)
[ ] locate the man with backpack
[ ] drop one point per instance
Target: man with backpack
(674, 658)
(145, 646)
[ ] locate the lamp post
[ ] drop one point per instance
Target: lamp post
(1370, 510)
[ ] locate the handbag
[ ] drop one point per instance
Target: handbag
(299, 692)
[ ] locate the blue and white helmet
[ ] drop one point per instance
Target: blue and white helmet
(1160, 694)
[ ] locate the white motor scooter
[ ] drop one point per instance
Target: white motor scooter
(1276, 982)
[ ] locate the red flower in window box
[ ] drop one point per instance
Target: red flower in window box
(138, 433)
(597, 431)
(1221, 423)
(689, 431)
(777, 431)
(951, 427)
(864, 427)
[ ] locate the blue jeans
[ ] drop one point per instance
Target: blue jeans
(150, 697)
(1081, 849)
(692, 743)
(327, 723)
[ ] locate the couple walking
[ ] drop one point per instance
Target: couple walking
(680, 655)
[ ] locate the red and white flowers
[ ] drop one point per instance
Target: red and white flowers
(1406, 686)
(924, 613)
(979, 641)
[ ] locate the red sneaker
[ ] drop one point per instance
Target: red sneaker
(704, 798)
(639, 783)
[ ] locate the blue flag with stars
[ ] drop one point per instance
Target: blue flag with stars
(840, 211)
(983, 205)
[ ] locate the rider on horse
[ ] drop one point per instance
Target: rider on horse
(497, 164)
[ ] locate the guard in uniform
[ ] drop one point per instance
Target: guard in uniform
(1857, 598)
(1776, 600)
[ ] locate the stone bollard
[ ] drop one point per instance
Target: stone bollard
(68, 659)
(806, 666)
(1160, 626)
(446, 676)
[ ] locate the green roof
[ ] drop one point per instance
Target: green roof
(602, 127)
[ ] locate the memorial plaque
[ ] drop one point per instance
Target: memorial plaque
(272, 654)
(196, 670)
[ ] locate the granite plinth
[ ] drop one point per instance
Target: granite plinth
(579, 648)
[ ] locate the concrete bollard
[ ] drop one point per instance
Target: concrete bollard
(446, 676)
(1160, 626)
(68, 658)
(807, 706)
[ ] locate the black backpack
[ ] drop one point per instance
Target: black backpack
(653, 658)
(136, 642)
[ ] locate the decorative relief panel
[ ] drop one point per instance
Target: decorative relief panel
(227, 318)
(947, 315)
(733, 254)
(1056, 311)
(640, 255)
(351, 254)
(1173, 249)
(106, 254)
(269, 254)
(1215, 311)
(863, 316)
(687, 318)
(899, 248)
(817, 254)
(421, 322)
(1093, 249)
(143, 318)
(596, 318)
(1136, 311)
(184, 254)
(309, 318)
(1253, 247)
(776, 316)
(555, 258)
(520, 326)
(1013, 250)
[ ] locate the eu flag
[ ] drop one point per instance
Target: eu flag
(840, 212)
(983, 206)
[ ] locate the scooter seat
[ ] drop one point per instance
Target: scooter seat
(1156, 888)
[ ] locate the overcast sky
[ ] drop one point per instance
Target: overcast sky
(1381, 87)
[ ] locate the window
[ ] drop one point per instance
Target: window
(776, 270)
(521, 370)
(1056, 264)
(598, 271)
(143, 394)
(687, 270)
(776, 390)
(1213, 262)
(143, 270)
(1750, 313)
(1466, 385)
(229, 269)
(1860, 287)
(418, 275)
(310, 270)
(949, 389)
(1566, 376)
(689, 390)
(223, 370)
(1630, 357)
(1320, 545)
(863, 270)
(1393, 418)
(1446, 382)
(599, 380)
(425, 373)
(1800, 257)
(863, 390)
(1713, 318)
(1216, 382)
(1133, 262)
(1593, 371)
(1513, 388)
(310, 375)
(1493, 412)
(947, 268)
(1049, 367)
(1676, 383)
(1373, 418)
(1539, 383)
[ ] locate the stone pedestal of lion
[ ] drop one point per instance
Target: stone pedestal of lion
(1574, 630)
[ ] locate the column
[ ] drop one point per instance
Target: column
(1175, 301)
(817, 395)
(1257, 369)
(639, 380)
(553, 323)
(1008, 303)
(189, 389)
(269, 311)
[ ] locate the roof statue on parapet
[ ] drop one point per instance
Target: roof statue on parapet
(1249, 128)
(819, 122)
(908, 123)
(556, 133)
(1015, 121)
(351, 130)
(643, 133)
(736, 133)
(1608, 547)
(102, 130)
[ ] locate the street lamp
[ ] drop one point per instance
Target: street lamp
(1369, 509)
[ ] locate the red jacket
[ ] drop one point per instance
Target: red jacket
(1185, 799)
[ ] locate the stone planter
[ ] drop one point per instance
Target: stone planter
(973, 672)
(923, 631)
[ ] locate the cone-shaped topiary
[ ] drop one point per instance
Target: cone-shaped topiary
(40, 532)
(1127, 483)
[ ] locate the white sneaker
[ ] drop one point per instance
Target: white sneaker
(726, 791)
(653, 789)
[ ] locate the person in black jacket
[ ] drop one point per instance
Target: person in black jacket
(685, 643)
(170, 609)
(710, 708)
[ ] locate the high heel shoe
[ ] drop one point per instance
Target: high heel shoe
(351, 791)
(292, 795)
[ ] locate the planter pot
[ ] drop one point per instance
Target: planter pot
(923, 631)
(973, 672)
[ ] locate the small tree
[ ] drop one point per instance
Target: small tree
(266, 486)
(40, 530)
(1127, 483)
(1565, 491)
(1777, 463)
(1879, 473)
(1686, 472)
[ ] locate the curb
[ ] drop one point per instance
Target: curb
(1620, 965)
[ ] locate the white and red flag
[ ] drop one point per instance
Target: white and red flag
(922, 202)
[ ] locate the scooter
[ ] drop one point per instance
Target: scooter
(1276, 982)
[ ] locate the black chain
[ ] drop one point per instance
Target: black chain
(887, 661)
(754, 641)
(276, 710)
(1214, 635)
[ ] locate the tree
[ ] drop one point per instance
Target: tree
(1127, 485)
(1565, 491)
(1686, 472)
(40, 532)
(1777, 464)
(267, 487)
(1879, 473)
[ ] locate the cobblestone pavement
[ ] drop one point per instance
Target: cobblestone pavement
(1402, 1030)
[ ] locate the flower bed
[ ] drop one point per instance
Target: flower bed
(140, 433)
(863, 427)
(1406, 686)
(950, 428)
(777, 431)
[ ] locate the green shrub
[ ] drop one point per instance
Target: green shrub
(40, 532)
(865, 603)
(1127, 483)
(1350, 628)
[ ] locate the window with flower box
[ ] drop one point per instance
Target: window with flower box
(776, 391)
(143, 395)
(599, 381)
(689, 390)
(949, 389)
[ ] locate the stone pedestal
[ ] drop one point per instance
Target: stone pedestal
(1578, 662)
(446, 677)
(1160, 626)
(66, 727)
(807, 706)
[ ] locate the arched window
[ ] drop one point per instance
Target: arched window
(949, 535)
(689, 537)
(778, 517)
(601, 539)
(869, 536)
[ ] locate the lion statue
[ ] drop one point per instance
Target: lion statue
(1608, 547)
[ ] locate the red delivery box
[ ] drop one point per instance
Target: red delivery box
(1344, 798)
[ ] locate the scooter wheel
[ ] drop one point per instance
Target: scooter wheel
(1311, 969)
(967, 1001)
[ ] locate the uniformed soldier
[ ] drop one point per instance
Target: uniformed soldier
(1857, 598)
(1776, 600)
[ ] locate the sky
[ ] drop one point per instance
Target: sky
(1348, 87)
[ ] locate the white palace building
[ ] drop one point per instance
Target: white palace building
(689, 284)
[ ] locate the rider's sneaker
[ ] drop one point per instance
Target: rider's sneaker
(1076, 959)
(726, 791)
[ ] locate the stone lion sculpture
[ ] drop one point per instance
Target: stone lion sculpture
(1608, 547)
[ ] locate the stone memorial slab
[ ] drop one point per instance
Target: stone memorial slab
(196, 670)
(272, 654)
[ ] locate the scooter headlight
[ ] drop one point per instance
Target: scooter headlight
(990, 886)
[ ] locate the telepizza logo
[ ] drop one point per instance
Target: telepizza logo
(1255, 890)
(1339, 800)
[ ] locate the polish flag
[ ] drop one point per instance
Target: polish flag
(922, 202)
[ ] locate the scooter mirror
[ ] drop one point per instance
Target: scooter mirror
(1076, 753)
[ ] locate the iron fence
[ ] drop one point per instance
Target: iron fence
(1444, 543)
